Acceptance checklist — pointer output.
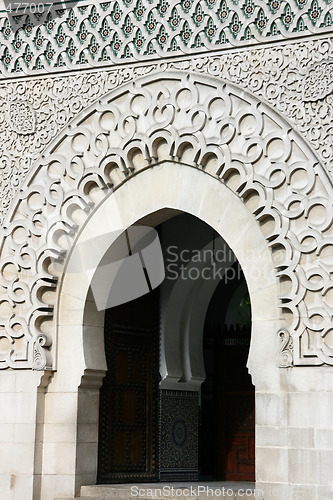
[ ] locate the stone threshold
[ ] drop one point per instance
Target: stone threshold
(169, 491)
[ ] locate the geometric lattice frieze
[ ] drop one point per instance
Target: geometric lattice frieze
(85, 35)
(200, 121)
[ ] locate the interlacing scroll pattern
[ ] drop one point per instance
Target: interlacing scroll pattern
(273, 74)
(280, 77)
(96, 34)
(22, 117)
(318, 81)
(198, 121)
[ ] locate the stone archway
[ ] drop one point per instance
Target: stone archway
(204, 123)
(249, 156)
(81, 324)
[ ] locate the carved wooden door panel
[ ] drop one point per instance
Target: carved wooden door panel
(239, 436)
(235, 416)
(128, 405)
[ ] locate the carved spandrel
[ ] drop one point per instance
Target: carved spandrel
(274, 74)
(126, 134)
(22, 118)
(318, 81)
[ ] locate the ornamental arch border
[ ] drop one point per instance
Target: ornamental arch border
(78, 318)
(80, 327)
(199, 121)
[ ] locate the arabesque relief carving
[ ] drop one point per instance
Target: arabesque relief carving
(199, 121)
(276, 75)
(318, 82)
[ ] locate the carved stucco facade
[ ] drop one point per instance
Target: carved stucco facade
(285, 77)
(223, 132)
(250, 121)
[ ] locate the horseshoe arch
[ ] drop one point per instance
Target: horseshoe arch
(200, 122)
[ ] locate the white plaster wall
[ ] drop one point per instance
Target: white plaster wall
(72, 401)
(185, 294)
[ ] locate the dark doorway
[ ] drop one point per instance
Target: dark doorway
(131, 436)
(227, 431)
(129, 394)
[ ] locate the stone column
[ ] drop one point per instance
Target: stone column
(21, 414)
(70, 439)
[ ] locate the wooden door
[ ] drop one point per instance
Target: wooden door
(239, 444)
(235, 415)
(128, 403)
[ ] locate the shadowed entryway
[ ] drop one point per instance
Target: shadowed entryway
(198, 424)
(227, 430)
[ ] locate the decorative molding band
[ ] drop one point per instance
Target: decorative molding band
(96, 35)
(199, 121)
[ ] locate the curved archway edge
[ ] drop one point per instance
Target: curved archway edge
(81, 326)
(204, 123)
(231, 220)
